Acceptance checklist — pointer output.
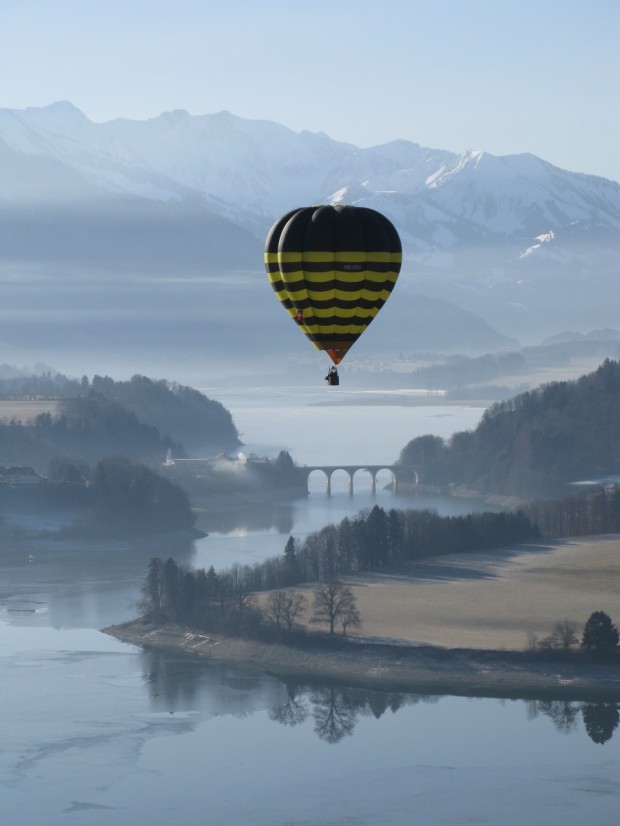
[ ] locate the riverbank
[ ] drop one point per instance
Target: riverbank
(422, 669)
(458, 624)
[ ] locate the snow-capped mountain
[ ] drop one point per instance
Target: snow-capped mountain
(504, 224)
(262, 169)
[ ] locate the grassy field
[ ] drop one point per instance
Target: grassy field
(26, 411)
(493, 600)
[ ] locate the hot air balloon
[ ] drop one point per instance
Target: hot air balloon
(333, 268)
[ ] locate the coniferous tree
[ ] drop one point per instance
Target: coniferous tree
(599, 633)
(151, 601)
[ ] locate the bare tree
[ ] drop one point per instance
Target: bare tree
(294, 605)
(350, 618)
(564, 635)
(335, 602)
(283, 608)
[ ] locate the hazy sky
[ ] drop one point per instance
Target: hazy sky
(539, 76)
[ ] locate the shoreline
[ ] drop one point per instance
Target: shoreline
(388, 666)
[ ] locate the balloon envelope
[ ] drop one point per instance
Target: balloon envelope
(333, 268)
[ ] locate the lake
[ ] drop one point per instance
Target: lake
(100, 732)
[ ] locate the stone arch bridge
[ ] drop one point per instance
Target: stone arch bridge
(400, 473)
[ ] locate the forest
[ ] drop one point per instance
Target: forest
(128, 499)
(140, 419)
(114, 498)
(533, 444)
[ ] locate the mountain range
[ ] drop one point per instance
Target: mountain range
(530, 248)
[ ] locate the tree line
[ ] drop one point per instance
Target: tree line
(373, 541)
(532, 444)
(586, 515)
(599, 634)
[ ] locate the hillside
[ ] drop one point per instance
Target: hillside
(140, 419)
(534, 444)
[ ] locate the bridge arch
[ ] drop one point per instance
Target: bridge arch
(393, 479)
(361, 473)
(328, 472)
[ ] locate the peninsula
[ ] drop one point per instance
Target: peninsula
(458, 624)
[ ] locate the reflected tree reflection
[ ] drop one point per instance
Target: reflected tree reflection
(600, 720)
(563, 713)
(336, 710)
(184, 683)
(334, 714)
(294, 711)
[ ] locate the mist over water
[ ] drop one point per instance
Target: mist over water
(332, 425)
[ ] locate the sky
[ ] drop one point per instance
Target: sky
(504, 76)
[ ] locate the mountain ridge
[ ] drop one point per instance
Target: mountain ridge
(268, 168)
(511, 238)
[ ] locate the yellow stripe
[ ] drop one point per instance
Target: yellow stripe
(347, 295)
(296, 279)
(330, 295)
(318, 277)
(335, 312)
(297, 295)
(332, 275)
(343, 276)
(289, 257)
(317, 257)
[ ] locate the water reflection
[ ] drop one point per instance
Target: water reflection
(600, 719)
(184, 684)
(335, 709)
(246, 517)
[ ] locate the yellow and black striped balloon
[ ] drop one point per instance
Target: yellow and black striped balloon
(333, 268)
